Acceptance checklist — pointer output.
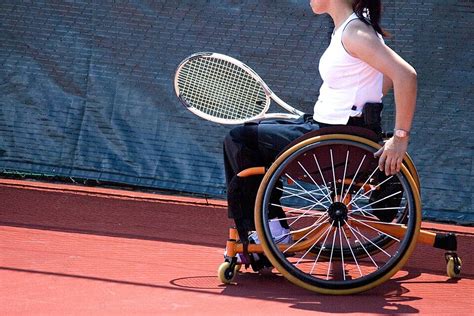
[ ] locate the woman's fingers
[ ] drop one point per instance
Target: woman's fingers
(391, 156)
(379, 152)
(390, 163)
(399, 163)
(393, 165)
(382, 162)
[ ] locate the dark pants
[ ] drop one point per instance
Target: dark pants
(256, 145)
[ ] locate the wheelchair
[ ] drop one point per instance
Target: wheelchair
(351, 226)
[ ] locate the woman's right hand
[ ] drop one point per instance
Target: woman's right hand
(392, 154)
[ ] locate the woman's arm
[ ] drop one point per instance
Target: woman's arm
(387, 85)
(361, 41)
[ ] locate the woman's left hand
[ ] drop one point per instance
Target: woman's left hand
(392, 154)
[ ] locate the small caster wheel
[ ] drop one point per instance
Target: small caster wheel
(453, 266)
(227, 272)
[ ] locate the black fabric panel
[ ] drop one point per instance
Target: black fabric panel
(86, 87)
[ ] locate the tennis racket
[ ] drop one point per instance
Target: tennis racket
(224, 90)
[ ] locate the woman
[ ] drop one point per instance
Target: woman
(357, 69)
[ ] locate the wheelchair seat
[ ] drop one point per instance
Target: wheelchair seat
(342, 129)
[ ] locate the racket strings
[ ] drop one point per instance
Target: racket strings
(224, 101)
(221, 89)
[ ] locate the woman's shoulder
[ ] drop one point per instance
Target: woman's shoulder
(358, 35)
(357, 27)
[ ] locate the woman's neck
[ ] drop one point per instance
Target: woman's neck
(339, 13)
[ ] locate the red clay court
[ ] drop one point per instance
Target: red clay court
(78, 250)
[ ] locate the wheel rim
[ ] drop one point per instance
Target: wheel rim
(349, 247)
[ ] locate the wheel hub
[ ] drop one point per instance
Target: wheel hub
(338, 214)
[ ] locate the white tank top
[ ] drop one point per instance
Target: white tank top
(348, 82)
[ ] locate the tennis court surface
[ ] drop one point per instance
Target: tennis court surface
(67, 250)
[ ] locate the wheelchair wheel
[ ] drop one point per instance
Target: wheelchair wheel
(333, 198)
(413, 172)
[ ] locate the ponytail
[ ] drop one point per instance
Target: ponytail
(370, 12)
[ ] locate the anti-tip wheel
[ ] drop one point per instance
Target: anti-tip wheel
(227, 273)
(453, 266)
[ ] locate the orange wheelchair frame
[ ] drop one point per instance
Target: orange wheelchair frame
(334, 200)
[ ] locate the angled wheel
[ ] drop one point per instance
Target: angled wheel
(227, 272)
(352, 227)
(453, 265)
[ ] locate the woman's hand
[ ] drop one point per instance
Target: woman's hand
(392, 154)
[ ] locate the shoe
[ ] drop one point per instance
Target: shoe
(280, 234)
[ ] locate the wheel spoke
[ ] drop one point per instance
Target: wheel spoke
(289, 209)
(398, 229)
(363, 185)
(317, 224)
(344, 177)
(305, 209)
(370, 241)
(313, 245)
(321, 248)
(300, 196)
(342, 250)
(375, 229)
(363, 212)
(293, 192)
(322, 177)
(361, 244)
(332, 251)
(304, 190)
(298, 217)
(380, 200)
(304, 169)
(372, 189)
(354, 177)
(378, 209)
(333, 174)
(352, 252)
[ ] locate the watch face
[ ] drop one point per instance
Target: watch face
(401, 133)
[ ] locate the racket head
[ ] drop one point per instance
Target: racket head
(221, 89)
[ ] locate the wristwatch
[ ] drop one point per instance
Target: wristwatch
(401, 133)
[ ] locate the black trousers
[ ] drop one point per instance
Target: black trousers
(255, 145)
